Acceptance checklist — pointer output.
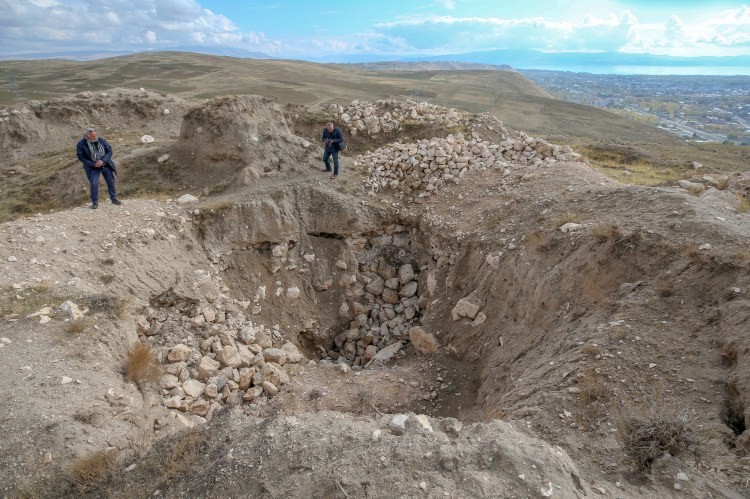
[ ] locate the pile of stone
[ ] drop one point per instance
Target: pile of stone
(385, 304)
(228, 361)
(386, 116)
(424, 167)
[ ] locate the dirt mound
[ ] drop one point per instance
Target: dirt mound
(237, 139)
(39, 127)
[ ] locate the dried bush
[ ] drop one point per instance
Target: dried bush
(105, 304)
(185, 452)
(591, 386)
(541, 241)
(604, 233)
(645, 439)
(141, 365)
(729, 353)
(78, 326)
(93, 472)
(107, 278)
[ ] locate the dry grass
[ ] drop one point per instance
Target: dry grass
(744, 204)
(729, 353)
(606, 233)
(184, 453)
(26, 301)
(108, 278)
(93, 472)
(90, 417)
(592, 387)
(646, 438)
(541, 241)
(141, 365)
(76, 327)
(105, 304)
(591, 350)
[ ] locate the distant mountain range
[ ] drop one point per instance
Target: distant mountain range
(534, 59)
(521, 59)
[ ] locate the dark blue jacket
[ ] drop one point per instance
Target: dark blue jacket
(84, 154)
(336, 138)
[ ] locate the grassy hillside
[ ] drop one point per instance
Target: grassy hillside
(507, 94)
(510, 96)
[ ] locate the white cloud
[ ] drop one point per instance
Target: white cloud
(454, 34)
(48, 25)
(727, 33)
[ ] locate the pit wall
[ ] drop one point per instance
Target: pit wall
(545, 319)
(319, 266)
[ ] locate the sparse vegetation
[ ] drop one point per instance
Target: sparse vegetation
(141, 365)
(744, 203)
(646, 438)
(93, 472)
(108, 278)
(78, 326)
(592, 387)
(26, 301)
(105, 304)
(606, 233)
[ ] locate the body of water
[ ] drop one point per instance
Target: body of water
(649, 70)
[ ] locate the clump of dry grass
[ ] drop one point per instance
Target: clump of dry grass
(78, 326)
(108, 278)
(90, 417)
(591, 386)
(591, 350)
(646, 438)
(185, 452)
(729, 353)
(604, 233)
(93, 472)
(141, 365)
(105, 304)
(541, 241)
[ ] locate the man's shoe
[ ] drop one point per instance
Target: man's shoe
(94, 206)
(116, 201)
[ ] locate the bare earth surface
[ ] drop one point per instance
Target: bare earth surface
(541, 345)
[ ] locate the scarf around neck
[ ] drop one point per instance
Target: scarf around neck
(96, 149)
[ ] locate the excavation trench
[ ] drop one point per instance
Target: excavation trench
(485, 332)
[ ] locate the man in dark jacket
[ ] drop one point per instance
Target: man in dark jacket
(332, 137)
(96, 155)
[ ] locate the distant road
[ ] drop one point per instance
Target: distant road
(694, 131)
(687, 129)
(742, 122)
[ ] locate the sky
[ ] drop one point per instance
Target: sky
(312, 30)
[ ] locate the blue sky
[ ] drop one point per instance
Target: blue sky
(310, 29)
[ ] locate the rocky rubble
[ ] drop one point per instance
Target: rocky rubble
(385, 303)
(386, 116)
(219, 357)
(425, 166)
